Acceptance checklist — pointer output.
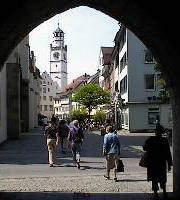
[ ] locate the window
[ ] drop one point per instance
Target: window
(40, 107)
(148, 57)
(44, 98)
(123, 62)
(152, 117)
(48, 89)
(51, 107)
(149, 82)
(44, 90)
(123, 85)
(64, 55)
(117, 60)
(116, 87)
(51, 98)
(125, 119)
(45, 107)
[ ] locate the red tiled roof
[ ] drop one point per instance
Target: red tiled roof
(74, 84)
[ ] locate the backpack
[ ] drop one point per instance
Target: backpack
(78, 136)
(63, 131)
(51, 132)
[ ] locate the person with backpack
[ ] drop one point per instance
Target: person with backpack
(75, 139)
(52, 136)
(63, 131)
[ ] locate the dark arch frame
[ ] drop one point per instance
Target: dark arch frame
(152, 23)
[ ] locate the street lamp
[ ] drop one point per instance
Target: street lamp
(119, 104)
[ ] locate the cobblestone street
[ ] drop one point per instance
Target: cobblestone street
(24, 170)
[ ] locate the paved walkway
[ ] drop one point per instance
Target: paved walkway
(25, 174)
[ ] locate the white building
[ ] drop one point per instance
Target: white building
(136, 84)
(48, 91)
(58, 59)
(62, 106)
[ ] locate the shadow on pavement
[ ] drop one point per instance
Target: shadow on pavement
(31, 148)
(75, 196)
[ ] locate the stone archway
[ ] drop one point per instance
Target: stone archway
(152, 23)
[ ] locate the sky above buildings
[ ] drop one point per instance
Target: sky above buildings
(86, 30)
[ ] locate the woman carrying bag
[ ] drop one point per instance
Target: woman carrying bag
(157, 159)
(111, 151)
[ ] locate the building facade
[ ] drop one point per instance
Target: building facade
(58, 59)
(48, 91)
(19, 93)
(106, 78)
(136, 92)
(63, 104)
(105, 67)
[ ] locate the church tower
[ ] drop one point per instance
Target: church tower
(58, 59)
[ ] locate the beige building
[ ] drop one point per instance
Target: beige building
(19, 92)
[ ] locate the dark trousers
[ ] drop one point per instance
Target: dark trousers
(155, 186)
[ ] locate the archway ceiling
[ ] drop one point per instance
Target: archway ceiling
(152, 23)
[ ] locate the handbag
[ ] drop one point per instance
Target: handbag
(143, 160)
(120, 166)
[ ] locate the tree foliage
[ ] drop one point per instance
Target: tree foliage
(164, 93)
(80, 114)
(91, 95)
(100, 116)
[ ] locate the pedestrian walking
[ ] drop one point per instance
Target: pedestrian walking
(158, 158)
(63, 131)
(75, 139)
(53, 119)
(159, 128)
(57, 120)
(44, 123)
(51, 133)
(111, 151)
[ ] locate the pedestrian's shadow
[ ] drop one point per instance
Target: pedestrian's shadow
(132, 180)
(88, 167)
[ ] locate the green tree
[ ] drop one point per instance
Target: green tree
(90, 96)
(164, 93)
(100, 116)
(80, 114)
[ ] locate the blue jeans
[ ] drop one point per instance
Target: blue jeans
(76, 150)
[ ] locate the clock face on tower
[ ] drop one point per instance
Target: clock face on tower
(56, 55)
